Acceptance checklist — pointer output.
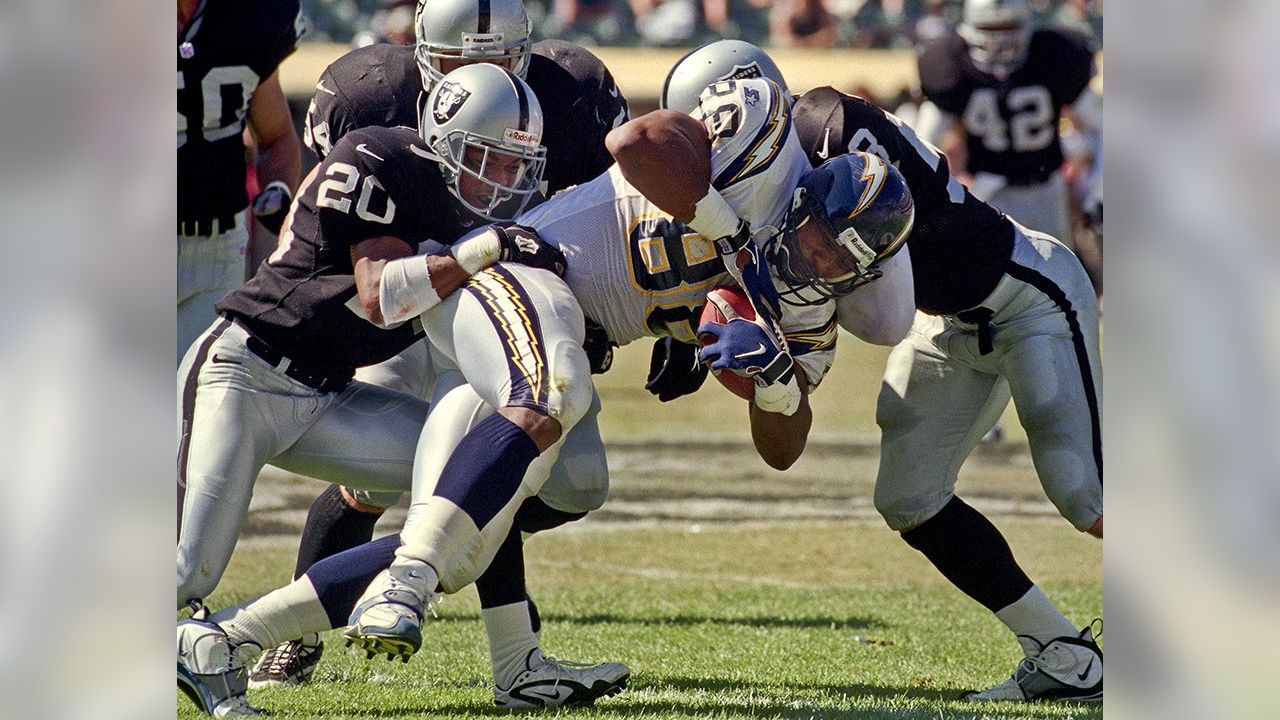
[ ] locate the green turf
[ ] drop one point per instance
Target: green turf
(728, 620)
(843, 406)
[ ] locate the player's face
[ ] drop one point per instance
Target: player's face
(824, 257)
(498, 168)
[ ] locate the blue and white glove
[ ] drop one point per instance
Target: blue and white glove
(751, 349)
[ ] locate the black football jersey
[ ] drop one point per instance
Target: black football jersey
(302, 301)
(223, 53)
(379, 85)
(959, 245)
(1010, 124)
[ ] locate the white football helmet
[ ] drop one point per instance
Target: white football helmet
(480, 119)
(490, 31)
(712, 63)
(997, 32)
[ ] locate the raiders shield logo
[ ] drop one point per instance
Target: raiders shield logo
(449, 101)
(740, 72)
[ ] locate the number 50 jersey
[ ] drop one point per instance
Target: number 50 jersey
(638, 272)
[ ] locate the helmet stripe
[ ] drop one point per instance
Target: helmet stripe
(522, 97)
(483, 19)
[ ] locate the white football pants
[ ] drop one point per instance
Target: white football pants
(515, 336)
(208, 268)
(941, 393)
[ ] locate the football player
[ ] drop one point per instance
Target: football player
(642, 266)
(271, 380)
(386, 85)
(227, 60)
(1005, 86)
(1001, 310)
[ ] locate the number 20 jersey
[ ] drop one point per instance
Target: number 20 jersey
(638, 272)
(376, 182)
(225, 50)
(1010, 124)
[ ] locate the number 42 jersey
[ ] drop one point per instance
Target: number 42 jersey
(638, 272)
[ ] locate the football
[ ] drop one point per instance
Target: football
(723, 304)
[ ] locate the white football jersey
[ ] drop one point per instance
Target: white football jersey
(638, 272)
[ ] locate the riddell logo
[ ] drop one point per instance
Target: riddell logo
(449, 101)
(520, 137)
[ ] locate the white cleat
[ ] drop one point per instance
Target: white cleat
(1065, 668)
(212, 672)
(388, 617)
(549, 682)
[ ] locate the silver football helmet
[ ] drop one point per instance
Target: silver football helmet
(711, 63)
(486, 124)
(997, 32)
(466, 31)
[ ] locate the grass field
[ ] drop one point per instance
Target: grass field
(731, 590)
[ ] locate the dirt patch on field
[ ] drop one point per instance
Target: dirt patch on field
(718, 482)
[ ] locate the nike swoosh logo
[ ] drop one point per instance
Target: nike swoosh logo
(320, 86)
(826, 145)
(365, 149)
(1085, 673)
(557, 694)
(219, 361)
(760, 350)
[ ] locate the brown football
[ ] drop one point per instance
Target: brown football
(723, 304)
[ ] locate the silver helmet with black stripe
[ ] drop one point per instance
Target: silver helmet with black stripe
(713, 63)
(486, 125)
(454, 32)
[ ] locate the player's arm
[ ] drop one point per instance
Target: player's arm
(666, 155)
(779, 438)
(881, 312)
(279, 153)
(395, 285)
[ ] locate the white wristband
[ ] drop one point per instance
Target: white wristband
(405, 290)
(477, 253)
(779, 397)
(712, 216)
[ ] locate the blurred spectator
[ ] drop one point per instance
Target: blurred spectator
(1083, 16)
(667, 23)
(934, 23)
(392, 23)
(586, 21)
(801, 23)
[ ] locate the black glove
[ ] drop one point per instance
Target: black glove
(271, 205)
(599, 347)
(522, 245)
(674, 370)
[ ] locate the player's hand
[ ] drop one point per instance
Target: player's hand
(520, 244)
(749, 348)
(271, 205)
(746, 348)
(598, 346)
(674, 370)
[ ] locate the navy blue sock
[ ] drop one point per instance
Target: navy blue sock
(332, 526)
(502, 583)
(535, 515)
(970, 552)
(485, 469)
(340, 579)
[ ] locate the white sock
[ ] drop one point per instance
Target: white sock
(285, 614)
(510, 640)
(1035, 615)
